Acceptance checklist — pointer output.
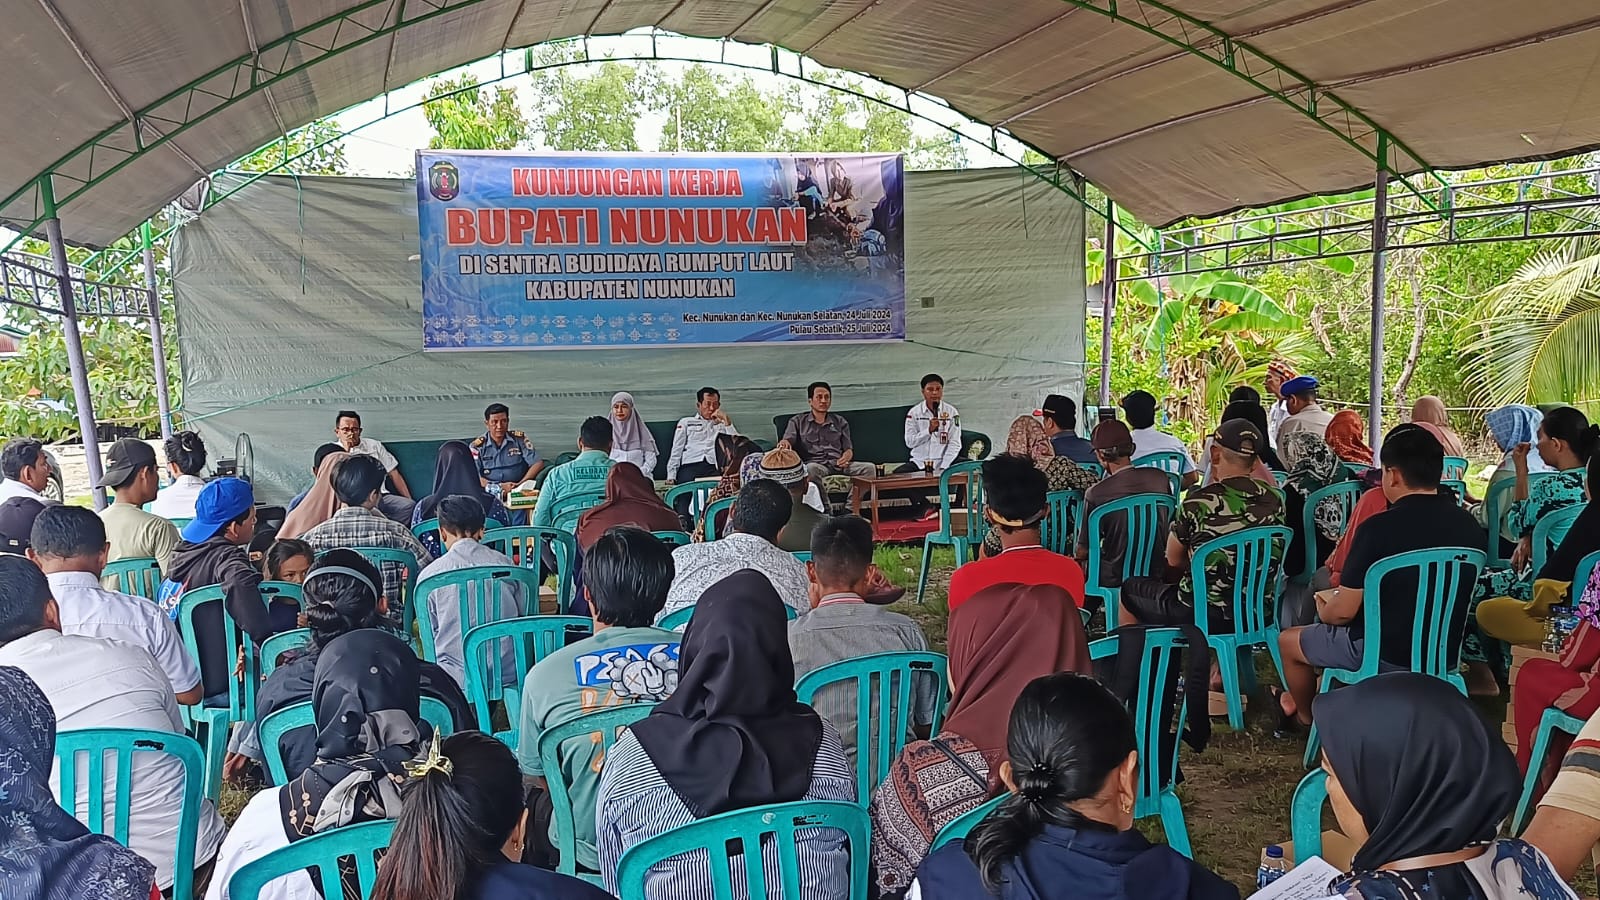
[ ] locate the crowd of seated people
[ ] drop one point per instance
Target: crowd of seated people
(721, 727)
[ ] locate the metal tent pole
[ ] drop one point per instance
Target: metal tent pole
(158, 348)
(69, 327)
(1380, 244)
(1108, 302)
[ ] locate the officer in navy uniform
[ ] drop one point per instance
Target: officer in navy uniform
(505, 458)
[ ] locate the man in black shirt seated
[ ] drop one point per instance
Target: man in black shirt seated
(1419, 517)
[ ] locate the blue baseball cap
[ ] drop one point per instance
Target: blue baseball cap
(1298, 386)
(221, 501)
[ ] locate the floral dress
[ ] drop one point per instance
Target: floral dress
(1545, 496)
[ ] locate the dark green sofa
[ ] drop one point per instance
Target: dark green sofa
(879, 434)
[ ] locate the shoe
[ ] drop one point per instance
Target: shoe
(1288, 725)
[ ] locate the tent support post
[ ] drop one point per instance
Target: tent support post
(1380, 244)
(74, 341)
(157, 345)
(1108, 303)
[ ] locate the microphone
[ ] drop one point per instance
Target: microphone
(933, 407)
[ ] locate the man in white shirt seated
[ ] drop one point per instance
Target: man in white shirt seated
(396, 505)
(933, 430)
(69, 545)
(26, 468)
(694, 443)
(461, 522)
(1140, 408)
(761, 511)
(1305, 413)
(96, 683)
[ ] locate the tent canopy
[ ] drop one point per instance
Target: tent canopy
(1176, 108)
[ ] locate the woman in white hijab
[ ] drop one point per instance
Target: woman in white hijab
(631, 441)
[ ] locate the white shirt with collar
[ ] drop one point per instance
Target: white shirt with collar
(694, 440)
(176, 500)
(699, 566)
(1149, 440)
(942, 446)
(89, 609)
(11, 488)
(257, 832)
(1312, 418)
(95, 683)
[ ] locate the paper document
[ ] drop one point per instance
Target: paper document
(1307, 881)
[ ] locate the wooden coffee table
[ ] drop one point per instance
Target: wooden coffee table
(872, 485)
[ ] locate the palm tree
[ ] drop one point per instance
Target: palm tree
(1536, 338)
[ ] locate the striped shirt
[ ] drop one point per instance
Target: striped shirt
(635, 803)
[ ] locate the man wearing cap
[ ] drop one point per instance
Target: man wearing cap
(16, 523)
(1059, 416)
(783, 466)
(822, 439)
(213, 552)
(1113, 448)
(1305, 413)
(132, 532)
(1233, 502)
(1140, 408)
(26, 468)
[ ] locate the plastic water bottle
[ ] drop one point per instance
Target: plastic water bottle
(1273, 866)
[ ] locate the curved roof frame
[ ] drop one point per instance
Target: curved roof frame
(1056, 175)
(157, 124)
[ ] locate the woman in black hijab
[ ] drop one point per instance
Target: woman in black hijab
(731, 736)
(368, 722)
(1416, 777)
(455, 471)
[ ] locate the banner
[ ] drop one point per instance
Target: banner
(573, 251)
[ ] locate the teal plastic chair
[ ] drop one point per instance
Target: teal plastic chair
(965, 539)
(696, 491)
(1147, 517)
(962, 825)
(96, 743)
(139, 576)
(409, 567)
(180, 523)
(802, 555)
(881, 727)
(273, 591)
(525, 545)
(714, 509)
(1157, 787)
(279, 722)
(1094, 467)
(605, 724)
(732, 838)
(1257, 571)
(678, 619)
(1063, 514)
(1344, 493)
(1282, 478)
(1445, 581)
(1169, 461)
(216, 720)
(1550, 532)
(1305, 814)
(1457, 487)
(1497, 505)
(533, 638)
(476, 603)
(1552, 720)
(1455, 468)
(673, 538)
(1356, 471)
(364, 843)
(569, 510)
(279, 644)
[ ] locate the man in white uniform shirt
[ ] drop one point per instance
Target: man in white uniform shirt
(1305, 413)
(395, 506)
(694, 442)
(26, 468)
(933, 430)
(69, 545)
(96, 683)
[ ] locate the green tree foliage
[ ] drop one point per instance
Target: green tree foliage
(315, 149)
(466, 117)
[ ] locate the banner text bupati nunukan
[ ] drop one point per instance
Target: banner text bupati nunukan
(567, 251)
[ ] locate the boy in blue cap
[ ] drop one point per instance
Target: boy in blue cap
(213, 552)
